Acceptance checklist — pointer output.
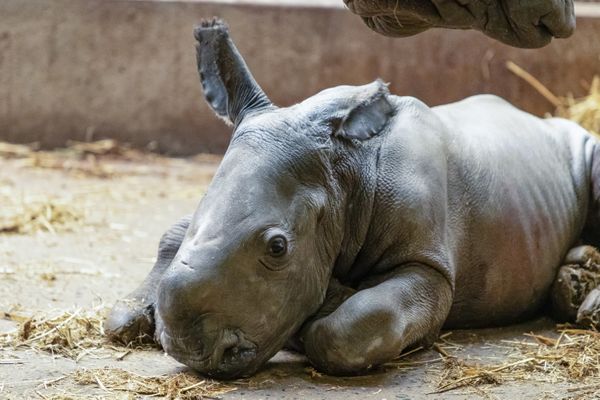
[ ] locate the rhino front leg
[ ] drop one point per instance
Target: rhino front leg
(374, 325)
(132, 318)
(573, 291)
(335, 296)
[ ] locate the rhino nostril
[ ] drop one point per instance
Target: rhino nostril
(236, 348)
(184, 262)
(238, 354)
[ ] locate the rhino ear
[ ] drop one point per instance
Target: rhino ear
(367, 116)
(229, 87)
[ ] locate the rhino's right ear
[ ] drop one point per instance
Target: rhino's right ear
(363, 113)
(228, 85)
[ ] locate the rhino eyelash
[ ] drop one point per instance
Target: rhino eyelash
(268, 232)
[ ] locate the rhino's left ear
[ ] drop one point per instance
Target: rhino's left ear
(366, 114)
(229, 87)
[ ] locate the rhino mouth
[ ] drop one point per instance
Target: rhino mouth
(229, 356)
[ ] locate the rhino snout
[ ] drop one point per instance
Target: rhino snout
(185, 293)
(197, 330)
(224, 354)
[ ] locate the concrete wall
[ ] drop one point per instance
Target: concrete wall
(81, 69)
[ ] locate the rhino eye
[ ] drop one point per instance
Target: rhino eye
(277, 246)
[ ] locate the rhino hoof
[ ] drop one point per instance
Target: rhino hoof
(573, 284)
(566, 293)
(589, 312)
(130, 322)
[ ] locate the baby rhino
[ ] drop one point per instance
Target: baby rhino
(357, 223)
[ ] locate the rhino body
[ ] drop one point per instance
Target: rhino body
(502, 197)
(357, 223)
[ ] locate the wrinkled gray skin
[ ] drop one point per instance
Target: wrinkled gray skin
(529, 24)
(399, 219)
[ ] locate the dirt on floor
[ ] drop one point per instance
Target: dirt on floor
(79, 229)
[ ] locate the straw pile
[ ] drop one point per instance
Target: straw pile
(78, 158)
(80, 333)
(31, 214)
(74, 149)
(9, 150)
(25, 213)
(178, 386)
(69, 334)
(585, 111)
(573, 357)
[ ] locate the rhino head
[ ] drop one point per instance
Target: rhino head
(259, 253)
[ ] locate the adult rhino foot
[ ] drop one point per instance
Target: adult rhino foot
(131, 321)
(589, 312)
(574, 282)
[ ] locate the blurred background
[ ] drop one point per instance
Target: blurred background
(125, 69)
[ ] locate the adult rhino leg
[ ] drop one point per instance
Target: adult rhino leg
(404, 307)
(132, 318)
(575, 295)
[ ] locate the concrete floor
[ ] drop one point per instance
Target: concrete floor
(107, 255)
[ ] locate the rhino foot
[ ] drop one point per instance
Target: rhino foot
(131, 322)
(575, 282)
(589, 312)
(133, 319)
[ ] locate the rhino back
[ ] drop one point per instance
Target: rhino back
(491, 196)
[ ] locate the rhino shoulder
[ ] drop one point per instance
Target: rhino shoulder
(490, 102)
(412, 112)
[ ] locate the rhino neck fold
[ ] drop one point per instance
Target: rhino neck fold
(357, 178)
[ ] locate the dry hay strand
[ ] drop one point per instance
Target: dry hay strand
(69, 334)
(178, 386)
(573, 357)
(585, 110)
(31, 214)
